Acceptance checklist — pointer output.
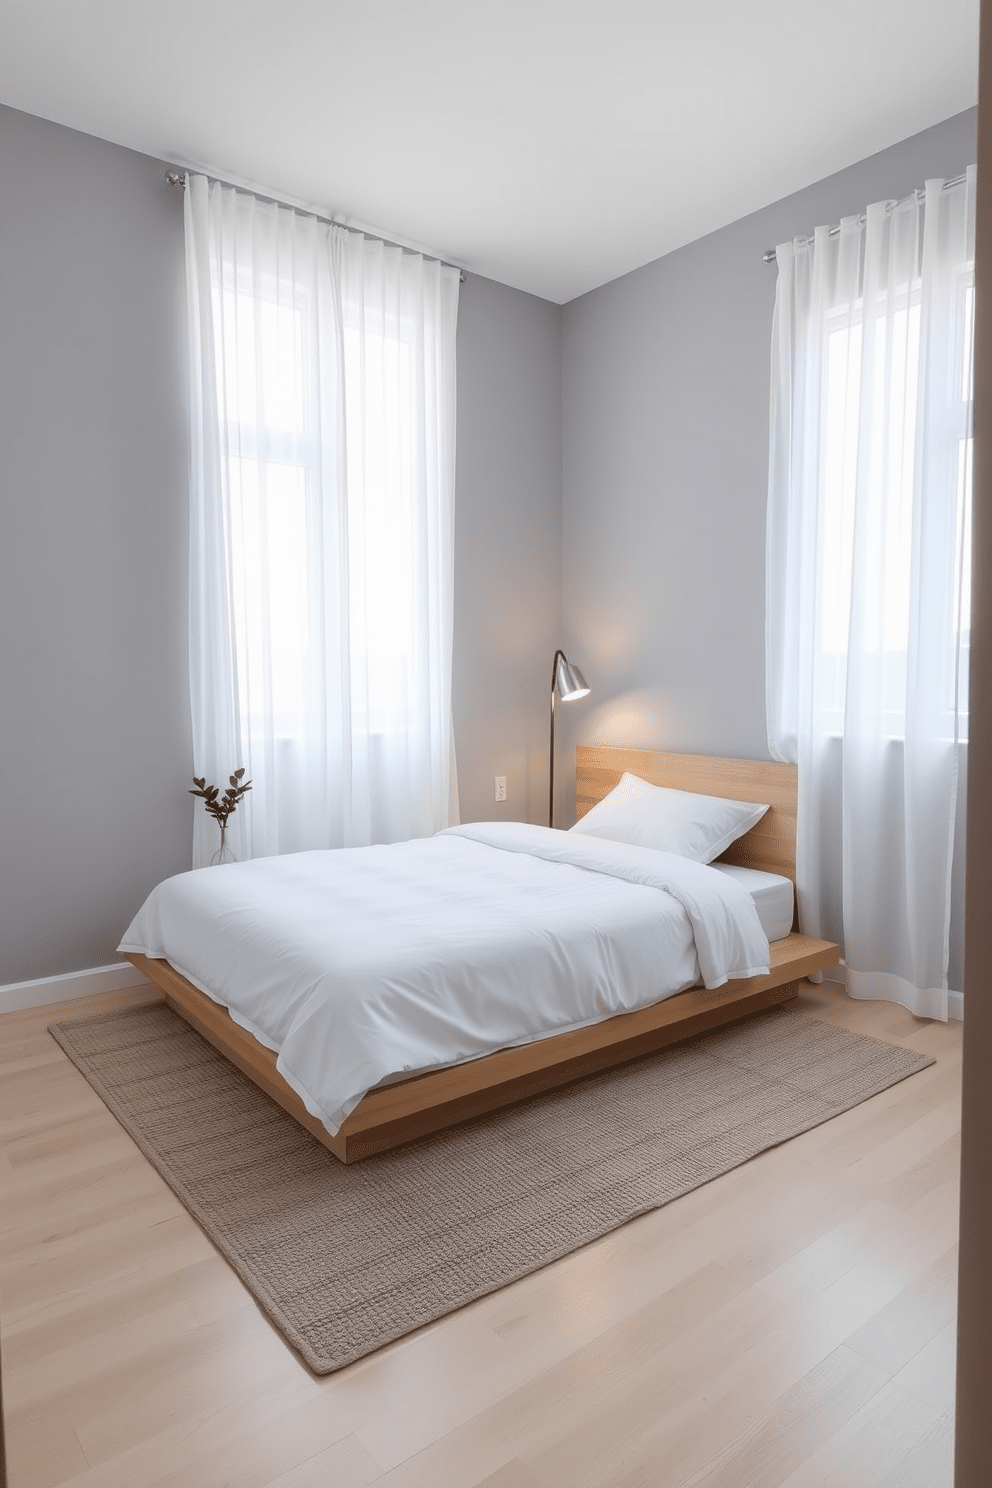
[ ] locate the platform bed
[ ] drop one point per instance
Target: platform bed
(390, 1115)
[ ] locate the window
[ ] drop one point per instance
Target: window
(322, 411)
(272, 475)
(868, 556)
(267, 404)
(888, 477)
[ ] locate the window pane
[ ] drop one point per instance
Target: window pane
(968, 346)
(261, 377)
(381, 522)
(282, 349)
(270, 550)
(840, 463)
(962, 577)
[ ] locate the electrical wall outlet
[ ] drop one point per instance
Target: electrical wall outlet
(500, 781)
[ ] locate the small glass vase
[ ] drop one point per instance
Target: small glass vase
(223, 853)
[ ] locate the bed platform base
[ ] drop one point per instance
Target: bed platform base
(394, 1114)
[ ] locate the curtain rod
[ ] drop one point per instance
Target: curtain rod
(920, 194)
(178, 178)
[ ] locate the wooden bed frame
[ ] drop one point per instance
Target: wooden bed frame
(393, 1114)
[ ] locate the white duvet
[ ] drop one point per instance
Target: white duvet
(362, 964)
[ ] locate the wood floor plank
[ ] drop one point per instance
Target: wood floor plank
(798, 1422)
(711, 1396)
(47, 1460)
(511, 1475)
(930, 1170)
(594, 1403)
(928, 1463)
(99, 1256)
(345, 1465)
(780, 1204)
(424, 1419)
(874, 1440)
(873, 1229)
(131, 1206)
(72, 1367)
(281, 1447)
(929, 1375)
(67, 1325)
(120, 1405)
(911, 1320)
(179, 1445)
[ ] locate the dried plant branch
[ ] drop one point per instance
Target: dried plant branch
(220, 807)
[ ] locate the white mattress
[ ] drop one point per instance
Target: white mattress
(364, 963)
(773, 896)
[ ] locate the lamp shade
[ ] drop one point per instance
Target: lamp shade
(569, 680)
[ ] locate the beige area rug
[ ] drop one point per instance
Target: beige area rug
(344, 1259)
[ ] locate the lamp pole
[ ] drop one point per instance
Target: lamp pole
(569, 683)
(551, 770)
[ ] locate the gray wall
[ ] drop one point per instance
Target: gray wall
(507, 546)
(95, 741)
(665, 377)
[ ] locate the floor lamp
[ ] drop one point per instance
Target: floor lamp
(568, 682)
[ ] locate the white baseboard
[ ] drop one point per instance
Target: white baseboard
(16, 996)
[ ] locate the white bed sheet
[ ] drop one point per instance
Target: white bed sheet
(358, 965)
(773, 896)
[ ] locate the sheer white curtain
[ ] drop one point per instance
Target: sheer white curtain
(322, 391)
(868, 564)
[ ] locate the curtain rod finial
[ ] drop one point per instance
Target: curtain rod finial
(176, 178)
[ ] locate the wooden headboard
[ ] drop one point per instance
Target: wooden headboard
(770, 845)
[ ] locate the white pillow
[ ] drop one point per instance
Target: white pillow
(696, 827)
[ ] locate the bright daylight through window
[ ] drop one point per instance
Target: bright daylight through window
(887, 530)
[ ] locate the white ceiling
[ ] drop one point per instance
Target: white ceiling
(550, 144)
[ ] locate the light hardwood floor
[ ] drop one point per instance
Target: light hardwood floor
(790, 1324)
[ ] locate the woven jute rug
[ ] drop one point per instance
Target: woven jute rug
(344, 1259)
